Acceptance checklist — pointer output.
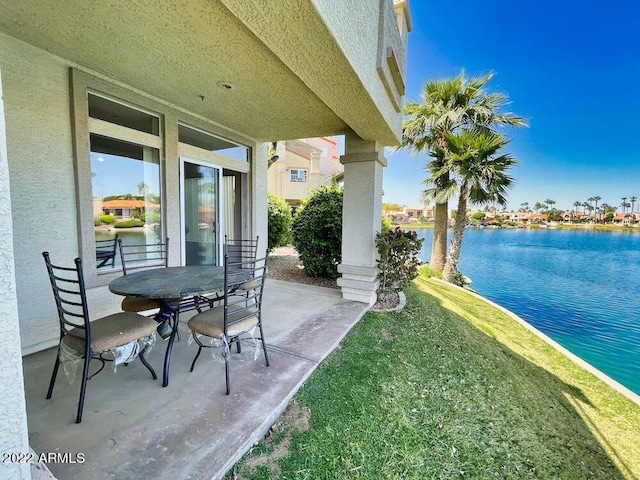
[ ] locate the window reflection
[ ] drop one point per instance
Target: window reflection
(126, 193)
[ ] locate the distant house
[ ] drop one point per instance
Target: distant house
(625, 219)
(123, 209)
(303, 165)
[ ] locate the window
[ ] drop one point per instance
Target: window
(125, 174)
(298, 175)
(211, 143)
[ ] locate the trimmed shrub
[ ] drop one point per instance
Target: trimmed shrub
(398, 262)
(317, 232)
(279, 222)
(129, 224)
(386, 224)
(108, 219)
(150, 217)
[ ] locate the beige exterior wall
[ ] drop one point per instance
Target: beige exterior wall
(13, 428)
(318, 156)
(44, 195)
(39, 144)
(369, 50)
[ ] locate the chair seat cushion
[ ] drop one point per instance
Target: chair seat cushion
(211, 322)
(112, 331)
(139, 304)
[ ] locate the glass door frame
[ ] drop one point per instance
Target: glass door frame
(219, 222)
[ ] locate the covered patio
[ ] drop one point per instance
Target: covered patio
(134, 428)
(174, 104)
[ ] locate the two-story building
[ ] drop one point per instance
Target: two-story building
(182, 98)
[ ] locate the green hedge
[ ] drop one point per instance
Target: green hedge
(317, 232)
(129, 224)
(108, 219)
(279, 221)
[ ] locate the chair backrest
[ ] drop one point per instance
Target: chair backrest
(248, 275)
(106, 251)
(240, 250)
(71, 299)
(143, 255)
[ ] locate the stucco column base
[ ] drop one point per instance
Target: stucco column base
(361, 215)
(358, 283)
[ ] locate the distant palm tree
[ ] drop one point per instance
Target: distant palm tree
(537, 207)
(596, 199)
(577, 204)
(524, 206)
(624, 204)
(549, 203)
(449, 105)
(633, 202)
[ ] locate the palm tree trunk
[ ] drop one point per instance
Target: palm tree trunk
(439, 245)
(451, 266)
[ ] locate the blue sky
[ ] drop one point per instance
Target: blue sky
(571, 68)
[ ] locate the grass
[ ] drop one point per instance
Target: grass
(450, 387)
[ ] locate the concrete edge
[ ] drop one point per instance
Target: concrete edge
(262, 431)
(572, 356)
(303, 287)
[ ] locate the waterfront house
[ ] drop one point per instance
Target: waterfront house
(183, 99)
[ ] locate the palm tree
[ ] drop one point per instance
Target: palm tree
(449, 105)
(478, 176)
(596, 200)
(633, 202)
(537, 207)
(577, 204)
(524, 206)
(549, 203)
(624, 204)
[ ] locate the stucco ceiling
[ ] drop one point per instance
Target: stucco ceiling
(188, 54)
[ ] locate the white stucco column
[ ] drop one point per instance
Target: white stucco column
(258, 202)
(361, 216)
(13, 411)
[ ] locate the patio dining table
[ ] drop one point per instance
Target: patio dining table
(170, 286)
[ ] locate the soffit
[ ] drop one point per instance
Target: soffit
(180, 53)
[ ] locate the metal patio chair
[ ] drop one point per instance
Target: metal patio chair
(106, 252)
(237, 250)
(87, 340)
(138, 256)
(238, 316)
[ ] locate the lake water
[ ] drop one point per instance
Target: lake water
(581, 288)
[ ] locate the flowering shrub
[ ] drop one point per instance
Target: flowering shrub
(398, 263)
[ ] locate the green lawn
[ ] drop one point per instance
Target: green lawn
(449, 387)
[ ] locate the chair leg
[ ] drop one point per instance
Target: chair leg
(227, 373)
(193, 364)
(264, 345)
(83, 387)
(54, 374)
(146, 364)
(238, 348)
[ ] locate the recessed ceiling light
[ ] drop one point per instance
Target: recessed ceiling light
(226, 85)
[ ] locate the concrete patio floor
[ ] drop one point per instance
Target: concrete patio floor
(133, 428)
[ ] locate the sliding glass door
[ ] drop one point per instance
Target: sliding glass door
(201, 212)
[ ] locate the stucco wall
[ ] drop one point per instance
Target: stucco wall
(39, 144)
(13, 430)
(354, 27)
